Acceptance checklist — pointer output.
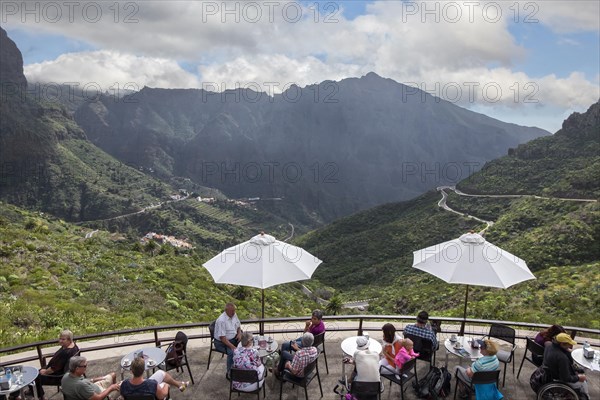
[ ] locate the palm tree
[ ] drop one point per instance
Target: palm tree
(334, 306)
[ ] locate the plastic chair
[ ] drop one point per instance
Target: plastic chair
(479, 378)
(211, 328)
(407, 372)
(176, 362)
(246, 376)
(319, 343)
(537, 354)
(507, 334)
(310, 372)
(557, 390)
(366, 390)
(424, 347)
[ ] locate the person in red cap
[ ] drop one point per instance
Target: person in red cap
(558, 360)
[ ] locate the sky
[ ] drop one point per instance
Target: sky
(532, 63)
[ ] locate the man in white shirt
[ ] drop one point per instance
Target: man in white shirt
(228, 333)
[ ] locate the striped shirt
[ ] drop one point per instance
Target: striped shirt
(486, 363)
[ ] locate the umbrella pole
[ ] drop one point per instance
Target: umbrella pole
(262, 324)
(464, 321)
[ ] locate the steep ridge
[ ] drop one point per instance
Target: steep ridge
(322, 147)
(370, 254)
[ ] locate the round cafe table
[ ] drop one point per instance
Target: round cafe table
(349, 348)
(29, 375)
(465, 352)
(589, 363)
(269, 349)
(152, 355)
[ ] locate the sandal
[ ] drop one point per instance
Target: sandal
(184, 385)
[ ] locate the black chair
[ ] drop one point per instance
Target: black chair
(366, 390)
(177, 359)
(407, 372)
(479, 378)
(507, 334)
(424, 347)
(537, 354)
(319, 343)
(143, 397)
(310, 371)
(246, 376)
(211, 328)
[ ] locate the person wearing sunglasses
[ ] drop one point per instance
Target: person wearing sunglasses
(77, 387)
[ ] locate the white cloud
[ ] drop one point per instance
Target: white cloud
(111, 69)
(233, 44)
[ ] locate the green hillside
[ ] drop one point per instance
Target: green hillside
(369, 255)
(51, 277)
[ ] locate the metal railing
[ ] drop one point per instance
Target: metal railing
(356, 323)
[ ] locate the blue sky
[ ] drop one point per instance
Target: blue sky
(548, 53)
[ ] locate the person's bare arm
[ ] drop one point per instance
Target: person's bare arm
(226, 342)
(104, 393)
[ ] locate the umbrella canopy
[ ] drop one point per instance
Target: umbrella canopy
(262, 262)
(471, 260)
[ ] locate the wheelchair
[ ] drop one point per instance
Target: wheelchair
(557, 391)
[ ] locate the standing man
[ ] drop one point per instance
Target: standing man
(77, 387)
(228, 333)
(423, 329)
(558, 359)
(58, 364)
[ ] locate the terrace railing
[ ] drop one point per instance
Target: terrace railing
(342, 323)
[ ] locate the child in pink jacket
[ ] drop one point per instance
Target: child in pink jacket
(405, 354)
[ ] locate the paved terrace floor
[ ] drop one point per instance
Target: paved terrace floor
(211, 384)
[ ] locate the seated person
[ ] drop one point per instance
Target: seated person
(423, 329)
(77, 387)
(314, 325)
(544, 338)
(366, 362)
(489, 362)
(406, 353)
(304, 355)
(157, 384)
(246, 357)
(391, 347)
(56, 366)
(228, 332)
(558, 360)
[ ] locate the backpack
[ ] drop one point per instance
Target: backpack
(539, 378)
(175, 353)
(434, 385)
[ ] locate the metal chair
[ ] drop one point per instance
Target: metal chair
(536, 351)
(54, 379)
(310, 372)
(407, 372)
(143, 397)
(247, 376)
(319, 343)
(366, 390)
(176, 360)
(507, 334)
(211, 328)
(557, 390)
(479, 378)
(424, 347)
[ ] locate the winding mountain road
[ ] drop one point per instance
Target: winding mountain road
(443, 205)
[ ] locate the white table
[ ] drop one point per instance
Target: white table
(349, 348)
(349, 345)
(465, 351)
(29, 375)
(152, 355)
(588, 363)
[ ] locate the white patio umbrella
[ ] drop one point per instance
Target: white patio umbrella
(262, 262)
(471, 260)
